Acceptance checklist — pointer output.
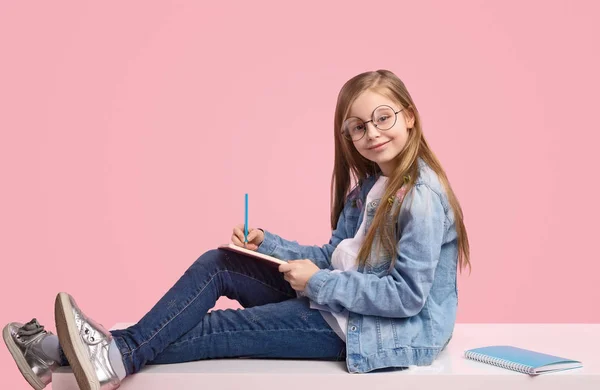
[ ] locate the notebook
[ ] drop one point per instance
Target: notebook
(521, 360)
(238, 249)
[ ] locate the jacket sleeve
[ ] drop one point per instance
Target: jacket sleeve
(403, 292)
(283, 249)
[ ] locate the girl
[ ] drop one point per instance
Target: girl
(382, 293)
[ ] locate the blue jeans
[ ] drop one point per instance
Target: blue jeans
(273, 324)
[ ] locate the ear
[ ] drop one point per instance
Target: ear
(409, 118)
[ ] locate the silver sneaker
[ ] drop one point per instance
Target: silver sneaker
(85, 344)
(24, 344)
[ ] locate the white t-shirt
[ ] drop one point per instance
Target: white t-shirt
(344, 259)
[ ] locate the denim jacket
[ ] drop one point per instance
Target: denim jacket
(400, 316)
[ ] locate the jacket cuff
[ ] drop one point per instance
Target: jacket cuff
(267, 247)
(313, 287)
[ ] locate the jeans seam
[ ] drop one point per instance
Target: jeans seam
(126, 358)
(175, 316)
(212, 277)
(122, 342)
(256, 330)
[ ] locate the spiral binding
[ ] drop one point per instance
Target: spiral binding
(500, 363)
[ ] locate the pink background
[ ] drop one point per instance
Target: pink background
(131, 131)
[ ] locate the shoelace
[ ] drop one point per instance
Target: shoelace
(31, 328)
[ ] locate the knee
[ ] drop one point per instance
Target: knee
(211, 257)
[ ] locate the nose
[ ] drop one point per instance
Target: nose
(372, 133)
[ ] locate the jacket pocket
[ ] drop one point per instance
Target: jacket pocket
(370, 213)
(379, 261)
(382, 268)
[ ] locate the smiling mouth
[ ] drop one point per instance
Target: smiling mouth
(376, 146)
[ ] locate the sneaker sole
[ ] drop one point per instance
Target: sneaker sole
(24, 368)
(74, 349)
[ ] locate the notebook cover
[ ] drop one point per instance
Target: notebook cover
(234, 248)
(522, 356)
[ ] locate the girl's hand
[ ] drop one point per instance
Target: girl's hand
(255, 237)
(298, 272)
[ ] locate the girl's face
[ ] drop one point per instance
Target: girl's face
(380, 146)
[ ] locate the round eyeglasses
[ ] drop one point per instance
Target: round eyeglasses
(383, 118)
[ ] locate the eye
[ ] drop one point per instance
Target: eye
(383, 118)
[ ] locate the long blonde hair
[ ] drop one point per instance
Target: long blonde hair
(348, 161)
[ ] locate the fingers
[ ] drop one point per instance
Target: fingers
(237, 238)
(238, 231)
(236, 241)
(253, 234)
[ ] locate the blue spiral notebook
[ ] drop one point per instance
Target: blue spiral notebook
(521, 360)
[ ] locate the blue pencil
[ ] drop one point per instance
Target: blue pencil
(246, 221)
